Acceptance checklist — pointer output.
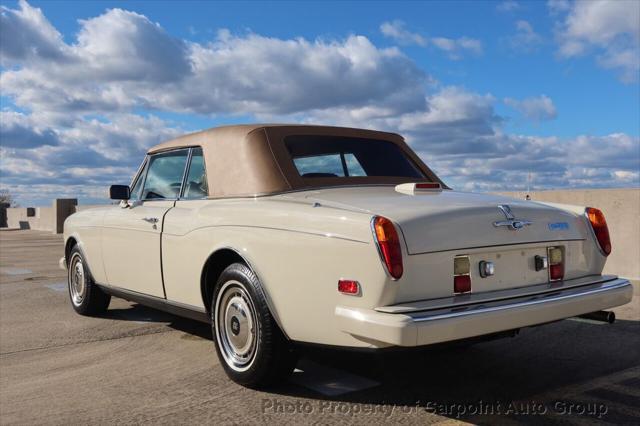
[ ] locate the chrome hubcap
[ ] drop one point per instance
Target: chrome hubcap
(235, 326)
(77, 284)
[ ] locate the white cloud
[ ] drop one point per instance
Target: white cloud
(525, 39)
(122, 45)
(27, 35)
(610, 29)
(397, 31)
(457, 47)
(558, 6)
(508, 6)
(538, 108)
(73, 129)
(133, 62)
(22, 131)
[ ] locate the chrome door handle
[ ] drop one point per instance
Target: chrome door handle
(153, 220)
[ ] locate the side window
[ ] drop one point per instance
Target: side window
(164, 175)
(136, 189)
(196, 183)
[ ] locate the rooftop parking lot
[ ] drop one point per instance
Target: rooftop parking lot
(137, 365)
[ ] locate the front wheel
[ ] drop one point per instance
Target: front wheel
(251, 348)
(86, 297)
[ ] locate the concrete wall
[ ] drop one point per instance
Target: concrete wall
(42, 218)
(621, 208)
(3, 214)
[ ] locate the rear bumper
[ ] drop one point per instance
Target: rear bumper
(446, 323)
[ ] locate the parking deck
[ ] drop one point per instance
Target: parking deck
(137, 365)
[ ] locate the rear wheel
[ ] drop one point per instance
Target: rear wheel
(86, 297)
(251, 348)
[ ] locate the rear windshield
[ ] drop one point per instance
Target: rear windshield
(334, 156)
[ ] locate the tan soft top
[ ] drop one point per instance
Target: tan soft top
(251, 159)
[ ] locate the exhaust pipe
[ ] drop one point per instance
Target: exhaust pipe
(601, 316)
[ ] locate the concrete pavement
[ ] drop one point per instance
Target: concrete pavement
(137, 365)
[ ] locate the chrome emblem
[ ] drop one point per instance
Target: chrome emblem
(511, 222)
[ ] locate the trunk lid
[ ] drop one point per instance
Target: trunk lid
(435, 221)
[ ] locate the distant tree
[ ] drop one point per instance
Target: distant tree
(6, 197)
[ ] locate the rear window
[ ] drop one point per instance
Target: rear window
(334, 156)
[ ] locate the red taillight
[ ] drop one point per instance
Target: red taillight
(349, 287)
(600, 229)
(556, 263)
(389, 245)
(461, 284)
(556, 272)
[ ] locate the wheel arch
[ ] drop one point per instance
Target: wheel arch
(216, 263)
(68, 245)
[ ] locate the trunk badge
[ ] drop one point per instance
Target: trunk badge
(511, 222)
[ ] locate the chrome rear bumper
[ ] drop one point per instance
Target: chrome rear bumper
(424, 323)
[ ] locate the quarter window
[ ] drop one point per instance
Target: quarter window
(196, 183)
(164, 176)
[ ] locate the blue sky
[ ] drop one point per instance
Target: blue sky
(486, 92)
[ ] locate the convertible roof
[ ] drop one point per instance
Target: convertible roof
(251, 159)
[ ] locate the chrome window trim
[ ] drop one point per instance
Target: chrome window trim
(185, 172)
(139, 171)
(204, 166)
(150, 157)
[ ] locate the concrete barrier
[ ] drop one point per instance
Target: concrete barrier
(42, 218)
(621, 208)
(3, 214)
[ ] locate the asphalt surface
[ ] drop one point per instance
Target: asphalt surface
(137, 365)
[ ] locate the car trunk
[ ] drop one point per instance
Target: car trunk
(437, 226)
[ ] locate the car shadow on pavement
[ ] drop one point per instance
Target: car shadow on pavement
(546, 365)
(541, 365)
(142, 314)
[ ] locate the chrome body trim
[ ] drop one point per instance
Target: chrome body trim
(479, 309)
(459, 301)
(175, 308)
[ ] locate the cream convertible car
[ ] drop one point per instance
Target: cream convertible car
(281, 234)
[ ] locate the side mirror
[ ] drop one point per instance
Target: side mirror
(119, 192)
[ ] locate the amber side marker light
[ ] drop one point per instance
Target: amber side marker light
(388, 245)
(600, 229)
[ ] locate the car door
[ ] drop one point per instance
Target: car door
(183, 261)
(131, 236)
